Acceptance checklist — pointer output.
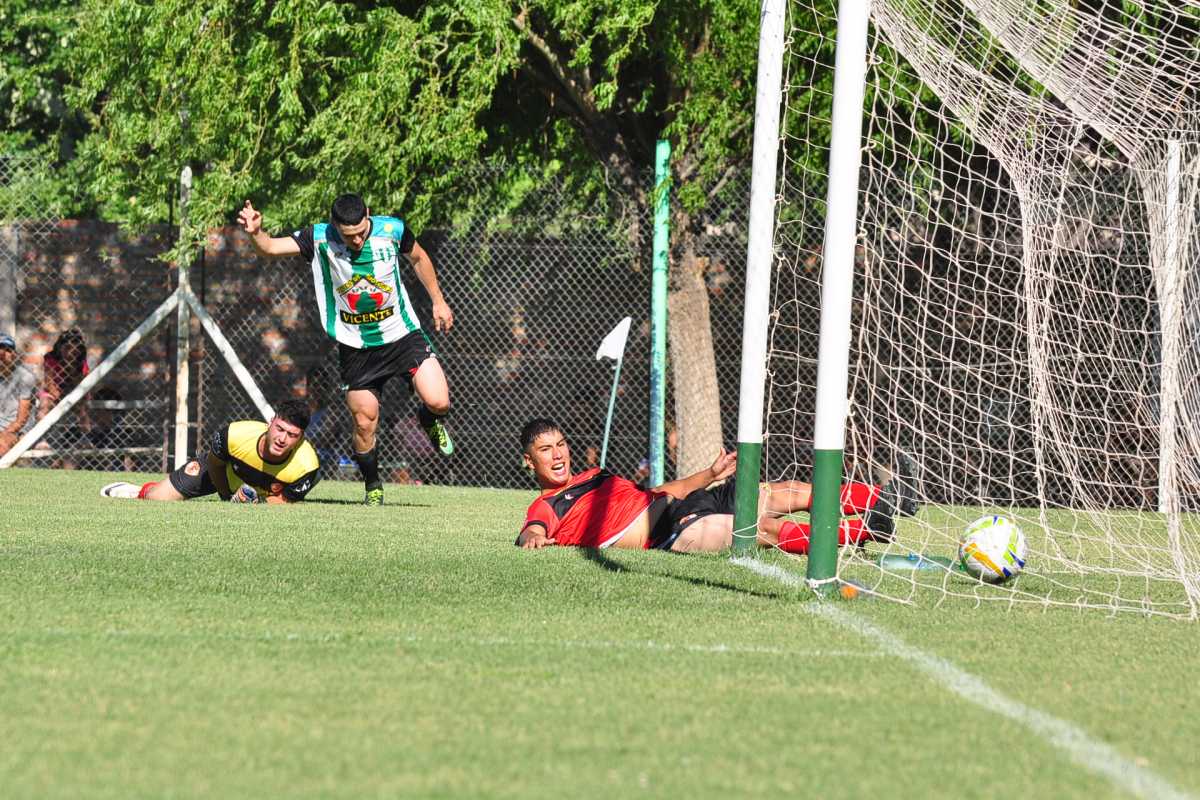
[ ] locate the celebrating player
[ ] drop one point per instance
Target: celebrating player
(248, 462)
(364, 306)
(598, 509)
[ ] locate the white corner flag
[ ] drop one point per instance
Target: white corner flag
(613, 347)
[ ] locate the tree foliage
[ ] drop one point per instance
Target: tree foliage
(36, 37)
(290, 102)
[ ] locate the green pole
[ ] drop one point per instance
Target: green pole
(837, 283)
(759, 255)
(658, 311)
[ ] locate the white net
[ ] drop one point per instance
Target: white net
(1025, 299)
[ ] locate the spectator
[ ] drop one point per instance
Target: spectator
(62, 370)
(17, 389)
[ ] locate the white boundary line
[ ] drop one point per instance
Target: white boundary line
(1085, 751)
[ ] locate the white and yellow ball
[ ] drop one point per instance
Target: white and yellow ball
(992, 549)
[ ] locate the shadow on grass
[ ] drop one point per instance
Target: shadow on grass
(602, 561)
(330, 501)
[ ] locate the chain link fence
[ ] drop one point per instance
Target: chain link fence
(533, 297)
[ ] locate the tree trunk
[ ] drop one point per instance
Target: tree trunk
(693, 366)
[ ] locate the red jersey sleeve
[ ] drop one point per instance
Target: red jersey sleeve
(540, 513)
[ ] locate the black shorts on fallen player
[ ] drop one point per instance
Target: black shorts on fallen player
(371, 367)
(682, 513)
(192, 480)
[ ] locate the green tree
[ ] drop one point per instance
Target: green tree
(35, 119)
(288, 101)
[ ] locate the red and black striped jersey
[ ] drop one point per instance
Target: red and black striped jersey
(592, 510)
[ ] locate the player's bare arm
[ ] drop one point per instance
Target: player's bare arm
(216, 471)
(24, 406)
(250, 219)
(443, 317)
(534, 537)
(723, 467)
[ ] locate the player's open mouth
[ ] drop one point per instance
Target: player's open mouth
(558, 470)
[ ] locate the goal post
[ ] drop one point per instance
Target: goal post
(997, 313)
(837, 285)
(759, 257)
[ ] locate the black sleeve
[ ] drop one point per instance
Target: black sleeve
(295, 491)
(304, 238)
(407, 240)
(218, 444)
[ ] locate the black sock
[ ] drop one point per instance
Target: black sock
(368, 465)
(427, 417)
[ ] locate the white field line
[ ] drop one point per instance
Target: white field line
(1093, 755)
(485, 642)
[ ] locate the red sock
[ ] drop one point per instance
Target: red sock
(146, 488)
(793, 536)
(858, 497)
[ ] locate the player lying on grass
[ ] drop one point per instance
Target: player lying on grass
(248, 462)
(598, 509)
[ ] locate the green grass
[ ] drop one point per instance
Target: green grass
(328, 650)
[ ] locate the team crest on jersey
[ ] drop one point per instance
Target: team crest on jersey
(367, 298)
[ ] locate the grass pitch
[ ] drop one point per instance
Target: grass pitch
(203, 649)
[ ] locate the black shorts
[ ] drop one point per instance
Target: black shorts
(192, 480)
(371, 367)
(682, 513)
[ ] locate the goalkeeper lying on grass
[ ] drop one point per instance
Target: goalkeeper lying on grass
(248, 462)
(598, 509)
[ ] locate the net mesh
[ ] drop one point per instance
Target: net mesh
(1022, 321)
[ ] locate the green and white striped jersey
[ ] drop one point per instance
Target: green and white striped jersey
(360, 297)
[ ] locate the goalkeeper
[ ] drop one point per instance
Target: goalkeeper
(598, 509)
(248, 462)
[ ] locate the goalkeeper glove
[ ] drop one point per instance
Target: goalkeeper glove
(244, 494)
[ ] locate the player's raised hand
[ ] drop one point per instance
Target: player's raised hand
(725, 465)
(443, 317)
(250, 219)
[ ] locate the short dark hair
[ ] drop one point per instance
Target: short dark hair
(294, 412)
(349, 209)
(535, 428)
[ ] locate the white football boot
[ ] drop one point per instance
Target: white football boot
(122, 489)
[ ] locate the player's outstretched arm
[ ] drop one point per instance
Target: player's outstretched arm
(724, 466)
(534, 537)
(250, 219)
(443, 317)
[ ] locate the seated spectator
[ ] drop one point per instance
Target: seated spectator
(17, 389)
(62, 370)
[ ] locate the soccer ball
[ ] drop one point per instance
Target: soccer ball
(992, 549)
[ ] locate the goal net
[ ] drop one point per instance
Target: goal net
(1026, 320)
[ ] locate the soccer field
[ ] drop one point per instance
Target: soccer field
(331, 650)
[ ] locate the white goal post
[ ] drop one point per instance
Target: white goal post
(1023, 322)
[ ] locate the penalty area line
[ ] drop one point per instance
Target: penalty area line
(1089, 753)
